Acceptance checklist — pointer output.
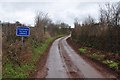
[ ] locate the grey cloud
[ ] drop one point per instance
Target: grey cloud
(64, 11)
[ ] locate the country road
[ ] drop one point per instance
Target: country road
(64, 62)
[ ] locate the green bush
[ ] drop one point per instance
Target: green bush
(97, 57)
(82, 50)
(111, 64)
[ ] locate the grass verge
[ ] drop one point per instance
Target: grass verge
(23, 71)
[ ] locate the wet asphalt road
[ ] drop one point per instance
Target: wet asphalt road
(55, 65)
(58, 68)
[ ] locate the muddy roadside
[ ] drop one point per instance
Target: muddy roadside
(98, 65)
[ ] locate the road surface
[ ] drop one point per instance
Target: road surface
(64, 62)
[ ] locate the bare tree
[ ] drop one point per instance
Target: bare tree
(109, 14)
(89, 20)
(41, 22)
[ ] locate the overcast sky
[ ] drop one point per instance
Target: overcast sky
(58, 10)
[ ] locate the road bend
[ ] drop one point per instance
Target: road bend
(64, 62)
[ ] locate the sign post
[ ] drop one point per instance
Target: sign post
(22, 31)
(22, 41)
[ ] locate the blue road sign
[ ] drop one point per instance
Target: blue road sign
(22, 31)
